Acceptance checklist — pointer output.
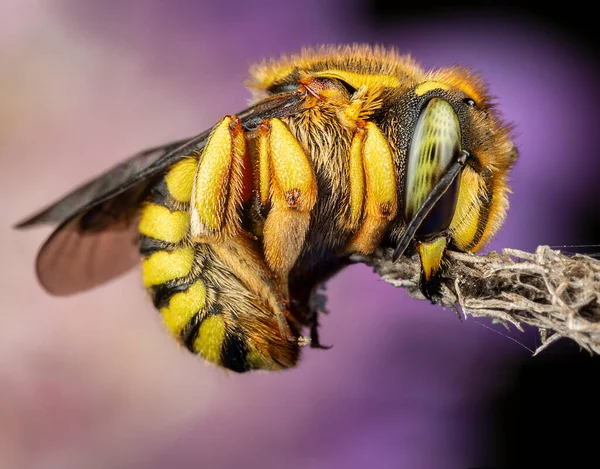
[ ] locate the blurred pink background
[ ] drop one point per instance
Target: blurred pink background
(94, 381)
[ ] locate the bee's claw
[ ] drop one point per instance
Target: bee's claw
(314, 337)
(432, 288)
(431, 254)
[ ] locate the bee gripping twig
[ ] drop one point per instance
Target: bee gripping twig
(557, 294)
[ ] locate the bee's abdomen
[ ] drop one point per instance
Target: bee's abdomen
(173, 267)
(190, 305)
(202, 302)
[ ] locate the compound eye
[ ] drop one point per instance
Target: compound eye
(435, 144)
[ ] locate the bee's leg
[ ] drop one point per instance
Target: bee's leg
(242, 256)
(314, 328)
(309, 316)
(316, 305)
(431, 254)
(221, 184)
(286, 182)
(373, 188)
(306, 304)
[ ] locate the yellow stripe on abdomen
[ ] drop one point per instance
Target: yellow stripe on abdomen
(209, 341)
(180, 179)
(163, 266)
(183, 306)
(160, 223)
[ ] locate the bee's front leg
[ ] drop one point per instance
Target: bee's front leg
(373, 188)
(306, 303)
(431, 254)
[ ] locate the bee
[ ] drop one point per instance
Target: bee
(345, 149)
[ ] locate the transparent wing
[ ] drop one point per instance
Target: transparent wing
(113, 182)
(95, 245)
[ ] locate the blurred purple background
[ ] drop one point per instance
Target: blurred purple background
(94, 381)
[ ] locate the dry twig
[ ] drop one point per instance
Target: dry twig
(556, 293)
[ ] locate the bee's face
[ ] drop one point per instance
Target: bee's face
(429, 125)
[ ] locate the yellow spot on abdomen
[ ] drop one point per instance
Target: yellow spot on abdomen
(429, 86)
(163, 266)
(183, 306)
(210, 338)
(159, 222)
(180, 179)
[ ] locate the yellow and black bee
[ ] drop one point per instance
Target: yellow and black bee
(345, 149)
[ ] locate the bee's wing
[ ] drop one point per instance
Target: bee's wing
(109, 184)
(94, 245)
(72, 260)
(97, 225)
(96, 239)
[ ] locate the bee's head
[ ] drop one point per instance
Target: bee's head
(448, 114)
